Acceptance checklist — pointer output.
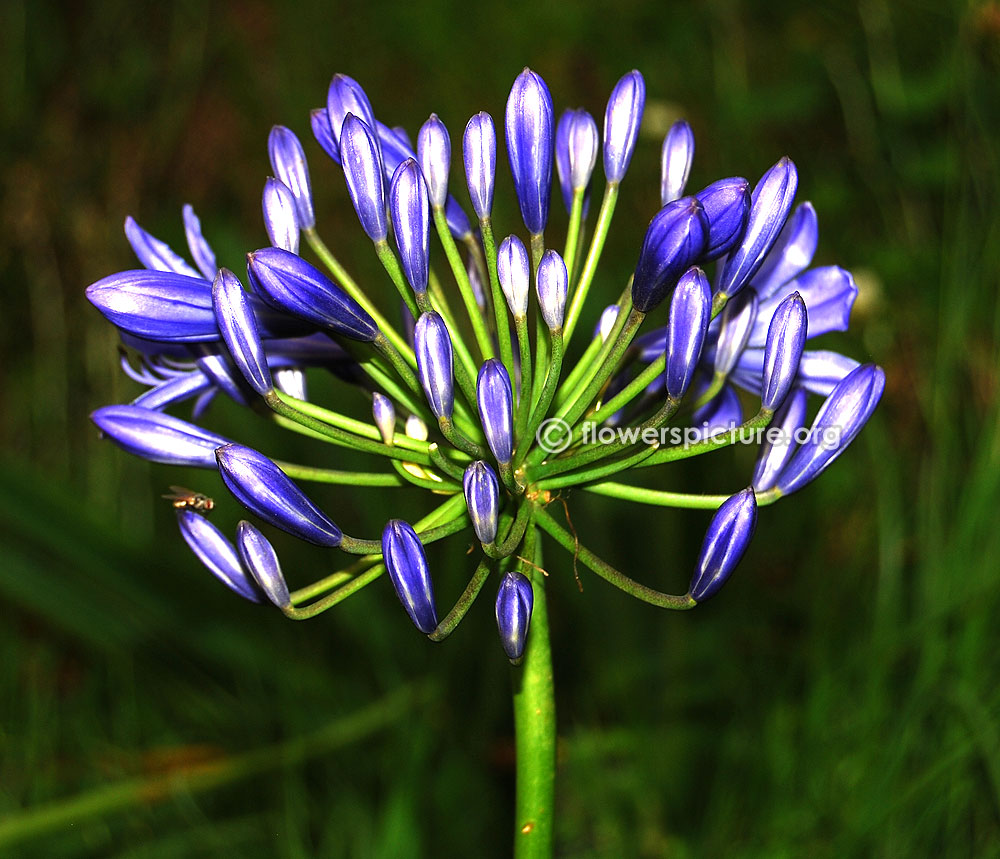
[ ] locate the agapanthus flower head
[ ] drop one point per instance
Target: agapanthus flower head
(529, 128)
(407, 565)
(410, 220)
(675, 161)
(552, 284)
(239, 330)
(216, 553)
(577, 144)
(362, 162)
(482, 498)
(675, 240)
(496, 409)
(726, 542)
(690, 309)
(158, 437)
(280, 219)
(434, 152)
(260, 559)
(345, 96)
(434, 363)
(479, 151)
(621, 124)
(515, 600)
(514, 272)
(786, 338)
(288, 161)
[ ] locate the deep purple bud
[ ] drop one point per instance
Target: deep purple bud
(201, 251)
(727, 206)
(289, 164)
(434, 152)
(723, 413)
(384, 414)
(577, 142)
(288, 282)
(319, 120)
(496, 409)
(609, 316)
(725, 544)
(346, 96)
(769, 207)
(154, 254)
(260, 559)
(363, 172)
(785, 340)
(264, 489)
(410, 221)
(280, 220)
(239, 330)
(482, 497)
(407, 565)
(529, 129)
(514, 272)
(779, 439)
(690, 309)
(838, 421)
(158, 437)
(552, 284)
(792, 252)
(829, 293)
(434, 363)
(734, 330)
(514, 602)
(479, 151)
(216, 553)
(675, 161)
(675, 240)
(621, 124)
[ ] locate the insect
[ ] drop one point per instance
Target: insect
(187, 499)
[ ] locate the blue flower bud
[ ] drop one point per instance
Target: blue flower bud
(345, 96)
(224, 375)
(829, 293)
(280, 220)
(288, 282)
(401, 135)
(175, 390)
(482, 497)
(201, 250)
(609, 316)
(577, 142)
(434, 152)
(384, 414)
(723, 413)
(552, 284)
(260, 559)
(792, 252)
(779, 438)
(514, 602)
(158, 437)
(786, 338)
(514, 272)
(675, 240)
(725, 544)
(363, 172)
(838, 421)
(216, 553)
(727, 206)
(496, 409)
(769, 206)
(319, 121)
(289, 164)
(690, 309)
(407, 565)
(479, 151)
(264, 489)
(621, 124)
(458, 221)
(434, 363)
(529, 147)
(154, 254)
(819, 371)
(735, 326)
(239, 330)
(675, 161)
(410, 221)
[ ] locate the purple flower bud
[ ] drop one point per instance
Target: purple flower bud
(482, 497)
(261, 560)
(384, 414)
(514, 272)
(224, 375)
(458, 221)
(606, 323)
(344, 97)
(734, 330)
(478, 290)
(280, 220)
(434, 151)
(785, 339)
(395, 150)
(158, 437)
(154, 254)
(363, 171)
(727, 206)
(288, 282)
(319, 120)
(725, 544)
(829, 293)
(838, 421)
(479, 151)
(407, 565)
(410, 221)
(769, 207)
(514, 602)
(264, 489)
(175, 390)
(690, 309)
(201, 251)
(239, 330)
(216, 553)
(675, 161)
(434, 363)
(401, 135)
(675, 240)
(723, 413)
(621, 124)
(289, 164)
(496, 409)
(577, 142)
(416, 428)
(819, 371)
(792, 252)
(552, 284)
(529, 147)
(779, 438)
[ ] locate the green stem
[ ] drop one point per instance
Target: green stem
(661, 498)
(514, 535)
(465, 601)
(598, 472)
(395, 272)
(573, 231)
(568, 388)
(524, 401)
(499, 302)
(745, 432)
(437, 303)
(544, 401)
(327, 475)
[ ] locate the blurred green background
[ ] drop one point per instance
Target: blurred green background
(841, 697)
